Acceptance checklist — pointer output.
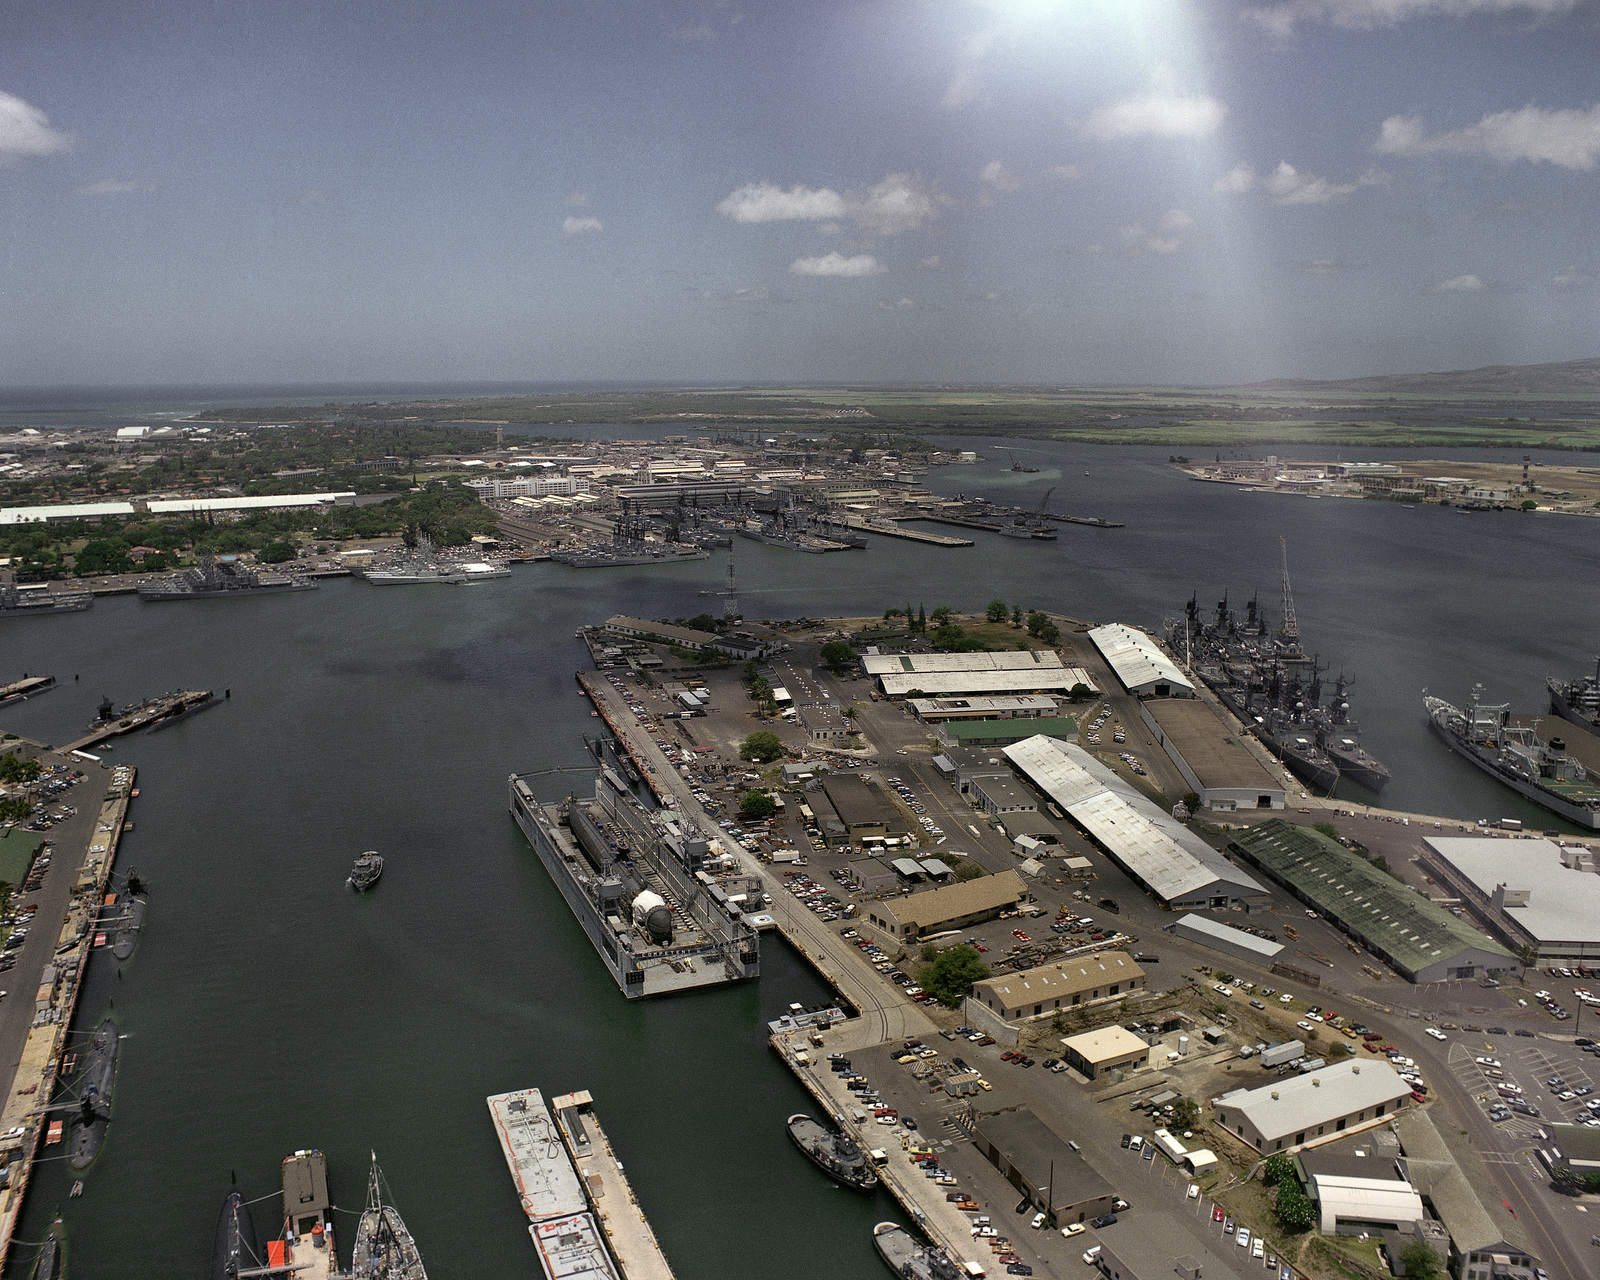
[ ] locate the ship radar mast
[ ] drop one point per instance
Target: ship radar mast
(1289, 632)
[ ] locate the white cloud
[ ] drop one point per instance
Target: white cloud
(996, 175)
(1175, 220)
(901, 202)
(994, 297)
(933, 262)
(1064, 172)
(1365, 15)
(1321, 266)
(1287, 185)
(965, 87)
(904, 304)
(26, 131)
(1459, 284)
(582, 225)
(1573, 278)
(1137, 239)
(750, 296)
(577, 199)
(313, 195)
(1156, 115)
(1569, 138)
(836, 264)
(122, 186)
(1238, 179)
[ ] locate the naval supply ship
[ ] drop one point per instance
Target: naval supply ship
(36, 600)
(94, 1097)
(1578, 700)
(1510, 753)
(634, 879)
(910, 1260)
(384, 1249)
(611, 555)
(235, 1247)
(836, 1154)
(223, 577)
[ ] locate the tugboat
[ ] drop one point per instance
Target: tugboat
(834, 1153)
(94, 1097)
(369, 866)
(908, 1259)
(384, 1249)
(235, 1249)
(47, 1262)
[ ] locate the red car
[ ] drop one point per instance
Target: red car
(1010, 1055)
(1216, 1213)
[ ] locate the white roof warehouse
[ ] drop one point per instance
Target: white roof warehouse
(1161, 853)
(1303, 1109)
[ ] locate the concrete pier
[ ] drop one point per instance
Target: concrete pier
(911, 535)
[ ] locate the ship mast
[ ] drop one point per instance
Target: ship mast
(1289, 632)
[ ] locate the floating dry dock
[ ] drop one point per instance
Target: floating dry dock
(585, 1226)
(630, 877)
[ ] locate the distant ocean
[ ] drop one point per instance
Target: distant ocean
(59, 408)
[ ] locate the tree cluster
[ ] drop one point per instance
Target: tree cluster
(949, 978)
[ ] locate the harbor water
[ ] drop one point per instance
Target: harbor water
(267, 1008)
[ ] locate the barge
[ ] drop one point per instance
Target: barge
(630, 877)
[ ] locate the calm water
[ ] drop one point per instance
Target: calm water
(269, 1009)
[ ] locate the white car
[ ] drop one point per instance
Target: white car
(1194, 1191)
(1436, 1033)
(1303, 1025)
(1089, 1255)
(1038, 1221)
(1487, 1062)
(1243, 1238)
(1073, 1229)
(1285, 998)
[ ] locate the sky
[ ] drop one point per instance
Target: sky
(873, 191)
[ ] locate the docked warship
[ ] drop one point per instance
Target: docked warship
(384, 1249)
(214, 578)
(1267, 679)
(235, 1247)
(1578, 700)
(94, 1097)
(836, 1154)
(908, 1259)
(418, 566)
(1542, 772)
(37, 600)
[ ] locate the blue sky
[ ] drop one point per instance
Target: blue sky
(1133, 191)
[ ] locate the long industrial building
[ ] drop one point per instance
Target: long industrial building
(1390, 918)
(1228, 940)
(1139, 663)
(1529, 893)
(1220, 768)
(1149, 844)
(1290, 1113)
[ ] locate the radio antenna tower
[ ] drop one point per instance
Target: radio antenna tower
(730, 597)
(1289, 632)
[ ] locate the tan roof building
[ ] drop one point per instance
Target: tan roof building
(1105, 1050)
(1082, 980)
(952, 907)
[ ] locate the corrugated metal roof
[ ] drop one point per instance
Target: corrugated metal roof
(1411, 930)
(1226, 933)
(1163, 853)
(1019, 680)
(882, 664)
(1136, 658)
(1291, 1106)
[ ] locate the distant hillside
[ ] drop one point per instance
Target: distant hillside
(1539, 379)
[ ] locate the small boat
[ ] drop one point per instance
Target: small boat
(836, 1154)
(235, 1247)
(47, 1262)
(77, 1190)
(369, 866)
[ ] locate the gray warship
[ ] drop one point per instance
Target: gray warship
(214, 579)
(384, 1249)
(94, 1097)
(1267, 679)
(836, 1154)
(37, 600)
(365, 873)
(1578, 700)
(1542, 772)
(910, 1260)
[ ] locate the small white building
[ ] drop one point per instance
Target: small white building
(1350, 1206)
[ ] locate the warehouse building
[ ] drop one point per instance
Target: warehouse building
(1218, 767)
(954, 907)
(1144, 840)
(1106, 975)
(1004, 795)
(996, 681)
(867, 814)
(1388, 917)
(1029, 823)
(1147, 1254)
(1228, 940)
(1139, 663)
(825, 723)
(1288, 1114)
(1023, 707)
(872, 877)
(1108, 1049)
(1351, 1206)
(1002, 733)
(685, 637)
(1035, 1160)
(1529, 893)
(883, 664)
